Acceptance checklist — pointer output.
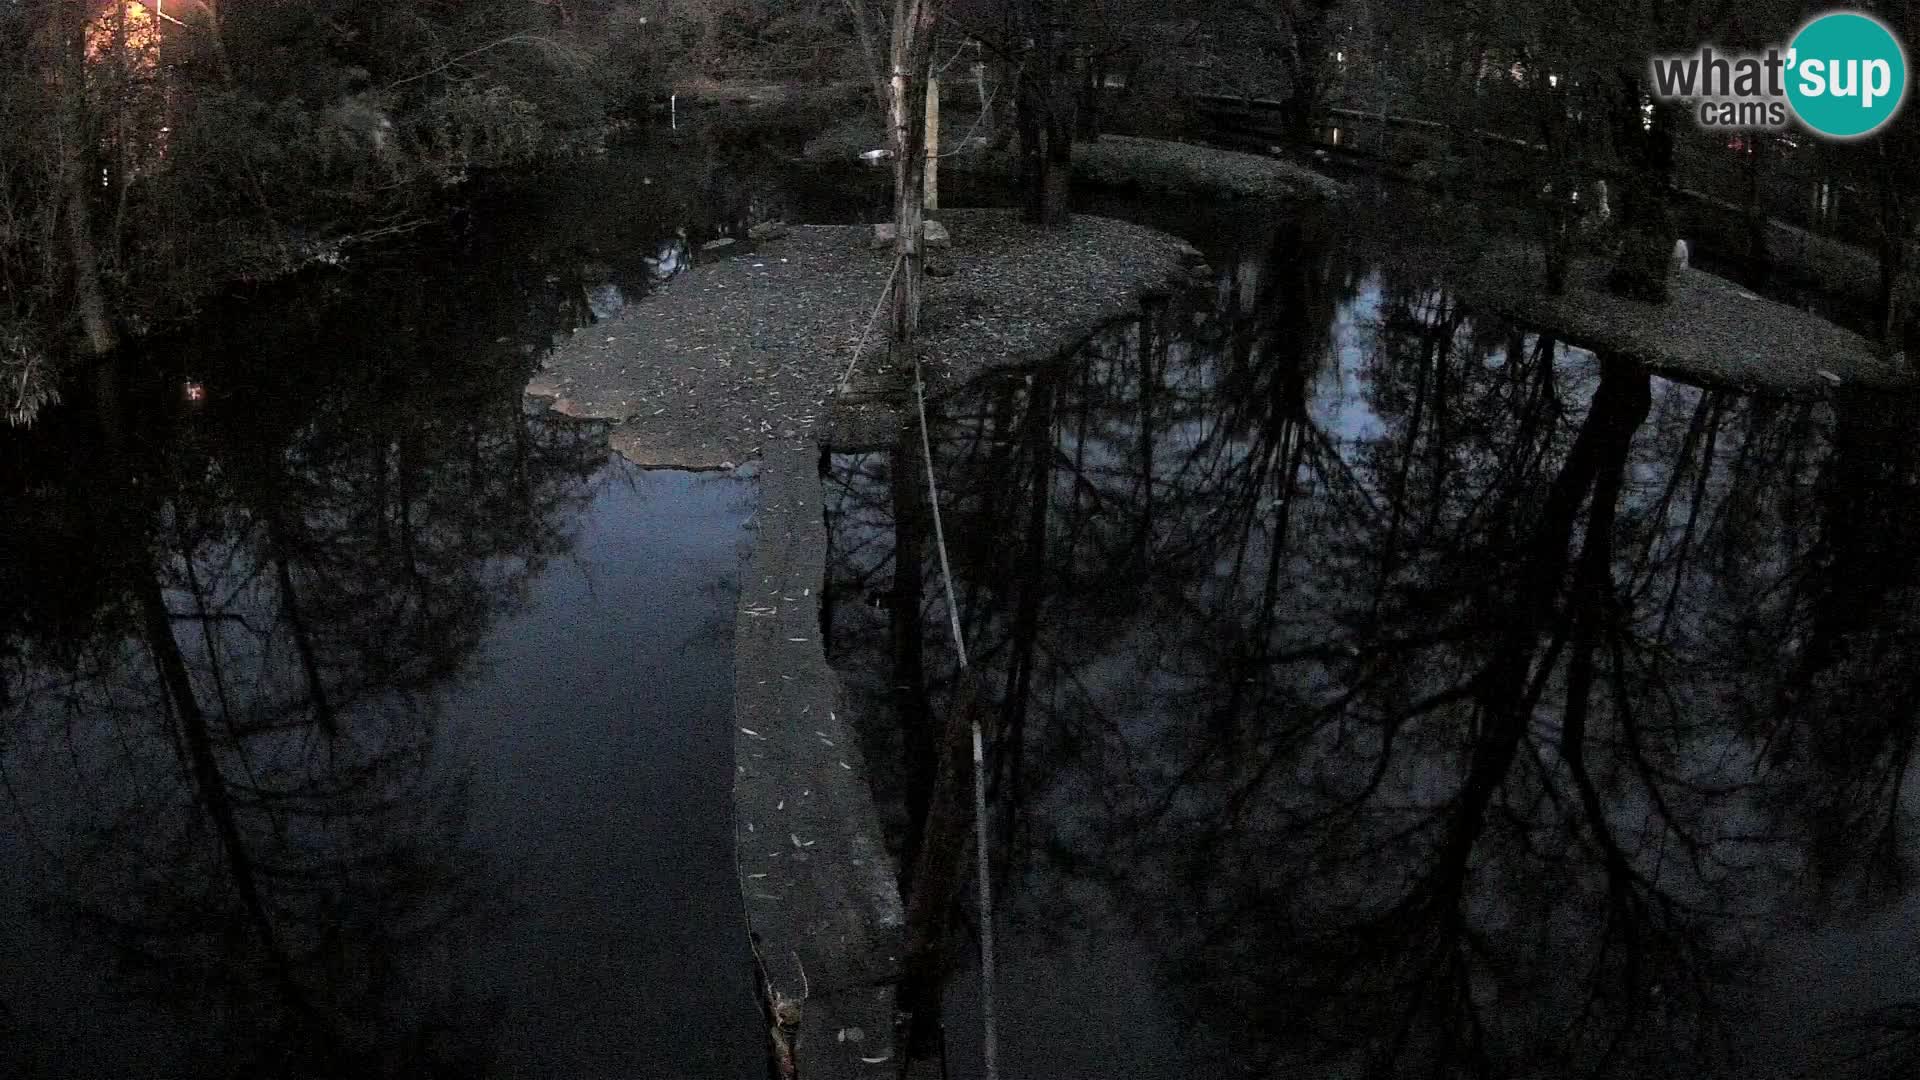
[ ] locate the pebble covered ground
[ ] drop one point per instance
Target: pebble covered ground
(745, 352)
(1711, 331)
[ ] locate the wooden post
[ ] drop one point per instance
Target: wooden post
(913, 27)
(933, 143)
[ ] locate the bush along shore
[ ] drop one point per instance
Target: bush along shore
(247, 146)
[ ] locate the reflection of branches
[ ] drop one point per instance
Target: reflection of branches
(257, 825)
(1418, 727)
(1841, 710)
(1891, 1050)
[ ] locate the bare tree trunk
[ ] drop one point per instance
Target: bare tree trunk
(942, 842)
(90, 297)
(1759, 261)
(1063, 100)
(65, 21)
(1646, 144)
(1303, 33)
(123, 138)
(1029, 108)
(1093, 85)
(1556, 222)
(1895, 148)
(1899, 297)
(1889, 240)
(1045, 103)
(913, 23)
(863, 28)
(218, 36)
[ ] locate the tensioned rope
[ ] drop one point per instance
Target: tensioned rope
(988, 1040)
(846, 380)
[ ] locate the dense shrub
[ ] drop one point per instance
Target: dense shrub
(244, 140)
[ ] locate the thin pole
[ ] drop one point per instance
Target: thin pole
(932, 201)
(989, 1043)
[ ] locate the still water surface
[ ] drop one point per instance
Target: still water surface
(1381, 690)
(1377, 689)
(356, 720)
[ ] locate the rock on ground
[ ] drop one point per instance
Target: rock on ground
(932, 233)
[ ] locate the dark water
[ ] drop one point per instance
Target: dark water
(1378, 690)
(356, 721)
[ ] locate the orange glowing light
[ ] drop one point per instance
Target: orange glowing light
(123, 43)
(140, 34)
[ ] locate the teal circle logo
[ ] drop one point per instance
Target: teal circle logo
(1846, 74)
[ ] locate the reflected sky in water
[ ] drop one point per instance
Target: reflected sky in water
(329, 851)
(356, 720)
(1382, 690)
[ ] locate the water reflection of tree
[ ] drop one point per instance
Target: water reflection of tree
(1437, 727)
(229, 753)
